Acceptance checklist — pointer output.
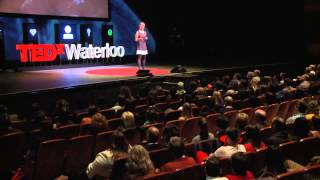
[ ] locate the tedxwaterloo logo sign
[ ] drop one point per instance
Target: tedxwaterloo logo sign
(49, 52)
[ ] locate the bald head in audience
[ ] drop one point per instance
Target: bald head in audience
(260, 118)
(153, 134)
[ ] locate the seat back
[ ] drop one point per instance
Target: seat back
(249, 111)
(108, 113)
(292, 108)
(163, 106)
(68, 131)
(177, 123)
(160, 157)
(173, 115)
(159, 176)
(313, 172)
(78, 154)
(257, 161)
(231, 115)
(292, 175)
(212, 122)
(190, 128)
(287, 150)
(175, 104)
(225, 165)
(272, 111)
(283, 109)
(103, 142)
(114, 123)
(266, 132)
(50, 156)
(192, 172)
(11, 151)
(309, 146)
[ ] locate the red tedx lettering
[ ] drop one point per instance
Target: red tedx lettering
(40, 52)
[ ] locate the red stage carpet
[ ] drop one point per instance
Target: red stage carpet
(129, 71)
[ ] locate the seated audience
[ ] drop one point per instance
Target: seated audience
(204, 133)
(103, 162)
(98, 124)
(223, 124)
(316, 125)
(260, 118)
(176, 148)
(153, 137)
(252, 139)
(240, 168)
(241, 121)
(212, 169)
(302, 107)
(232, 145)
(92, 110)
(186, 112)
(169, 131)
(139, 163)
(128, 120)
(300, 129)
(280, 134)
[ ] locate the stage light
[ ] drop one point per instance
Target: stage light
(110, 32)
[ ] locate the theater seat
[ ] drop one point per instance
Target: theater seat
(225, 165)
(283, 109)
(160, 157)
(49, 161)
(177, 123)
(310, 147)
(193, 172)
(248, 111)
(292, 108)
(190, 128)
(173, 115)
(163, 106)
(212, 122)
(78, 154)
(272, 111)
(292, 175)
(103, 142)
(159, 176)
(114, 123)
(257, 161)
(175, 104)
(68, 131)
(108, 113)
(12, 148)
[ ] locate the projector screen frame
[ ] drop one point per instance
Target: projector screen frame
(45, 16)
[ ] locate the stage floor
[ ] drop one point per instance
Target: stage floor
(36, 80)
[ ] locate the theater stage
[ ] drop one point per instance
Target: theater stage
(62, 77)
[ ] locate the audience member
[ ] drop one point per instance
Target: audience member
(103, 162)
(176, 148)
(240, 168)
(232, 145)
(212, 169)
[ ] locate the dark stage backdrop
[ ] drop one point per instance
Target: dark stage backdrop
(225, 32)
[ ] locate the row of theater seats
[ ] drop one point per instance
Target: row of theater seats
(197, 173)
(70, 157)
(16, 142)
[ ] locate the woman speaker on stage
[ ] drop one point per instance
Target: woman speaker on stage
(142, 51)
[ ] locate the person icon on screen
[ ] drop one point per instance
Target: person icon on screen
(67, 30)
(142, 51)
